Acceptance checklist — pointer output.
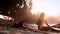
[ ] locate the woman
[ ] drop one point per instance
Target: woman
(40, 21)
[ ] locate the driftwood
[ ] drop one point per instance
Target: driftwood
(4, 20)
(52, 28)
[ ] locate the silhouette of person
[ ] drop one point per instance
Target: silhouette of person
(40, 21)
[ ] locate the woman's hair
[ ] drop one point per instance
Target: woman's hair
(42, 15)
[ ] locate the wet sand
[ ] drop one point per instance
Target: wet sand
(24, 31)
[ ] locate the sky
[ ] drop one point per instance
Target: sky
(49, 7)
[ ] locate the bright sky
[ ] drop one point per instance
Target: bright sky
(49, 7)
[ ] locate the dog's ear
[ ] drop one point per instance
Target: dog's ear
(7, 5)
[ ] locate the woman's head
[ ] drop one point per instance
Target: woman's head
(42, 15)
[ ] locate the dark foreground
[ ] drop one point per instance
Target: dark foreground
(23, 31)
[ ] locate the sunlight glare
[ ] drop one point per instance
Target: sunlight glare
(1, 16)
(41, 6)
